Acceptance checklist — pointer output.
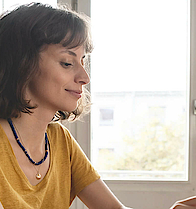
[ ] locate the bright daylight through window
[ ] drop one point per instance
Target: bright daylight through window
(139, 84)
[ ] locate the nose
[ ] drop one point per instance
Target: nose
(82, 77)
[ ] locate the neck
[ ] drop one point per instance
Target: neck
(32, 128)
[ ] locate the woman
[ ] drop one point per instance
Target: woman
(42, 79)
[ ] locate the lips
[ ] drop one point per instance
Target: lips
(75, 93)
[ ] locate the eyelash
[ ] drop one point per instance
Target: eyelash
(66, 64)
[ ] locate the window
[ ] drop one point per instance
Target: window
(149, 192)
(141, 58)
(106, 116)
(166, 104)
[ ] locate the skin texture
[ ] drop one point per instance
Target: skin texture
(61, 75)
(57, 86)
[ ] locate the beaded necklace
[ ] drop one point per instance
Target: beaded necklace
(38, 175)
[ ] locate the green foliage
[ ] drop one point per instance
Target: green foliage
(157, 147)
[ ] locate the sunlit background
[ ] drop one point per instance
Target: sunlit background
(139, 87)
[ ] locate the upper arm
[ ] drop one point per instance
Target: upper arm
(97, 195)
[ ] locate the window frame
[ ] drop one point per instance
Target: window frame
(81, 129)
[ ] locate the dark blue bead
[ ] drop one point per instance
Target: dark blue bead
(24, 150)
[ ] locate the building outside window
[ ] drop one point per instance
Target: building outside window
(141, 58)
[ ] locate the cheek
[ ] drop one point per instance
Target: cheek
(51, 81)
(34, 89)
(39, 84)
(60, 79)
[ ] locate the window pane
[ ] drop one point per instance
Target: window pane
(139, 89)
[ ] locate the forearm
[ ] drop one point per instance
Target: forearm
(97, 195)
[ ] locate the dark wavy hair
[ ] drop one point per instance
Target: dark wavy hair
(23, 34)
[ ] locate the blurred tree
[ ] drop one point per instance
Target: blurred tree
(157, 147)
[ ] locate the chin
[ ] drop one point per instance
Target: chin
(71, 109)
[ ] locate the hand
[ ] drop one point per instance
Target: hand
(189, 203)
(123, 207)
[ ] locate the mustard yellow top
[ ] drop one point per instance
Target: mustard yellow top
(69, 172)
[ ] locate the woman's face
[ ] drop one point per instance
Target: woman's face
(58, 85)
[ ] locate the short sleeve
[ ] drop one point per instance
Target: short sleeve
(82, 171)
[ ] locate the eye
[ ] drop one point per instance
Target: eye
(66, 64)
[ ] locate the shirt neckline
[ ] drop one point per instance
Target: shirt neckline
(19, 169)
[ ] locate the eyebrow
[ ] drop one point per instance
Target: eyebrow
(71, 53)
